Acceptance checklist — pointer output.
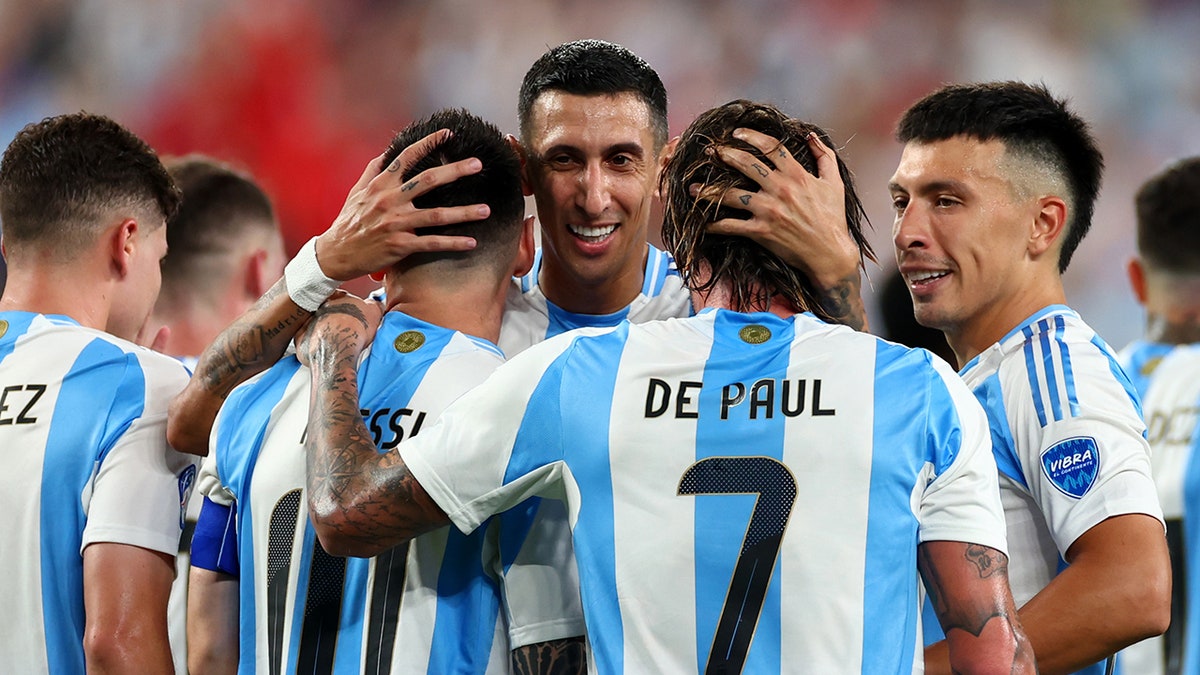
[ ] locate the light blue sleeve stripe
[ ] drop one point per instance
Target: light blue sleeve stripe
(1068, 374)
(76, 444)
(1118, 373)
(1031, 369)
(901, 445)
(1050, 370)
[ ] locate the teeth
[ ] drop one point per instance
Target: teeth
(592, 234)
(918, 277)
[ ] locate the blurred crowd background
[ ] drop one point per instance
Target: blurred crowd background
(303, 93)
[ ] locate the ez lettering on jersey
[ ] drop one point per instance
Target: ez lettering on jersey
(17, 401)
(762, 398)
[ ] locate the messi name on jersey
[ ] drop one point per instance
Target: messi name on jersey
(759, 399)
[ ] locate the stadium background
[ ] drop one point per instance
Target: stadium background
(303, 93)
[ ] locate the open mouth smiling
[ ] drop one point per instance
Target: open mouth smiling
(592, 235)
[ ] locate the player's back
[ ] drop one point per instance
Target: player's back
(426, 606)
(70, 400)
(1171, 405)
(746, 491)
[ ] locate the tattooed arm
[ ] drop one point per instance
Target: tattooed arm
(968, 587)
(375, 229)
(249, 345)
(556, 657)
(802, 219)
(361, 502)
(1115, 591)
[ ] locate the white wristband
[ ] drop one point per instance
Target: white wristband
(307, 285)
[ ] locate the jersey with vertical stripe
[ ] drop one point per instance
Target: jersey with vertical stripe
(1170, 392)
(1139, 359)
(745, 491)
(530, 318)
(1067, 434)
(429, 606)
(83, 428)
(1182, 378)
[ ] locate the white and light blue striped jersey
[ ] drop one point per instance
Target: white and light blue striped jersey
(1139, 359)
(429, 606)
(745, 492)
(83, 427)
(1067, 433)
(1183, 378)
(1170, 403)
(530, 318)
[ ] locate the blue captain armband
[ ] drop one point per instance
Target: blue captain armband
(214, 544)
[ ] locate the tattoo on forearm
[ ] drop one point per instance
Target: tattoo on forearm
(247, 347)
(843, 302)
(556, 657)
(376, 500)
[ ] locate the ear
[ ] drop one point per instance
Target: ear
(122, 244)
(1049, 224)
(664, 157)
(1137, 278)
(526, 184)
(257, 281)
(526, 249)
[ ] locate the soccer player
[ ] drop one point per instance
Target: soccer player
(669, 440)
(225, 251)
(429, 606)
(594, 127)
(993, 193)
(593, 119)
(1165, 276)
(94, 497)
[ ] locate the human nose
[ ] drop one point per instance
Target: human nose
(594, 196)
(910, 229)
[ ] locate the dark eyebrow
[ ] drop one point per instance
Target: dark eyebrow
(631, 148)
(933, 187)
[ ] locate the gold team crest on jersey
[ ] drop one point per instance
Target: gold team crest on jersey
(409, 341)
(755, 334)
(3, 327)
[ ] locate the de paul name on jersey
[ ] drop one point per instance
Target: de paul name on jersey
(760, 399)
